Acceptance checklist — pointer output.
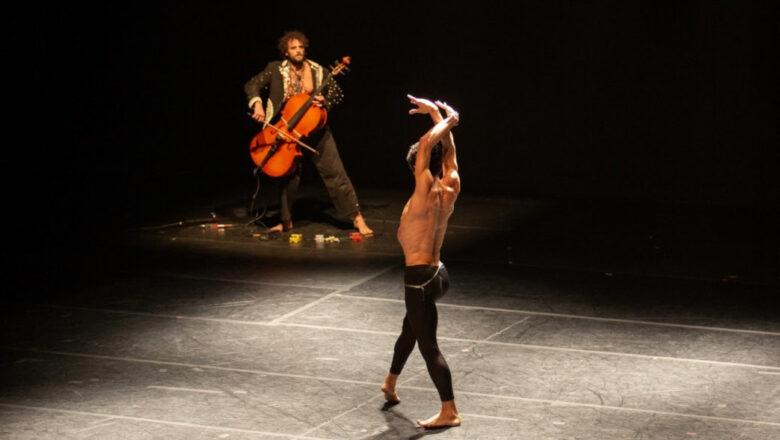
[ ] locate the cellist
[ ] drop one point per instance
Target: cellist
(284, 79)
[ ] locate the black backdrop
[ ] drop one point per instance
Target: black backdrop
(125, 106)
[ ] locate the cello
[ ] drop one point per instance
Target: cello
(277, 148)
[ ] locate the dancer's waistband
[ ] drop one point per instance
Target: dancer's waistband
(420, 275)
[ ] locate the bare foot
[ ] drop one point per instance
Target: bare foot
(389, 389)
(440, 421)
(285, 225)
(448, 416)
(361, 226)
(390, 394)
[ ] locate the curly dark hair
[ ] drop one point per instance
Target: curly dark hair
(436, 158)
(291, 35)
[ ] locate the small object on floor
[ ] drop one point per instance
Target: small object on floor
(319, 238)
(332, 239)
(355, 236)
(296, 238)
(217, 225)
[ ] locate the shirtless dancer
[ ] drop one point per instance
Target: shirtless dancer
(421, 233)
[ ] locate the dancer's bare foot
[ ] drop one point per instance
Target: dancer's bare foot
(448, 416)
(361, 226)
(285, 225)
(389, 389)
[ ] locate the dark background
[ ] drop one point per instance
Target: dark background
(125, 109)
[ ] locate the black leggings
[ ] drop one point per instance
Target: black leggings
(424, 285)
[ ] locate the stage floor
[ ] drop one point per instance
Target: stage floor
(574, 320)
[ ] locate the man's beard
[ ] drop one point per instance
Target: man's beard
(296, 63)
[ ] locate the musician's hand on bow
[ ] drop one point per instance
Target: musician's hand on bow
(259, 114)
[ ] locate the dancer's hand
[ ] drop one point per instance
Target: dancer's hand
(424, 106)
(451, 112)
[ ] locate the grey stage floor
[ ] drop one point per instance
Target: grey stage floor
(564, 321)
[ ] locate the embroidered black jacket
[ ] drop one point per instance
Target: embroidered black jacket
(276, 78)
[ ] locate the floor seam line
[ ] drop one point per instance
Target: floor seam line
(149, 420)
(251, 245)
(224, 280)
(583, 317)
(309, 431)
(497, 309)
(444, 338)
(332, 294)
(469, 393)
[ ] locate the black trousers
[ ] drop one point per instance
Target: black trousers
(333, 174)
(424, 286)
